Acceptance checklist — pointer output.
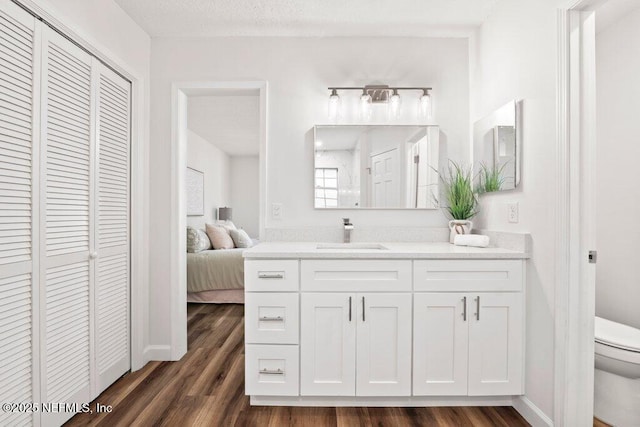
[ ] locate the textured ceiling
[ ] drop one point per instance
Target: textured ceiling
(231, 123)
(205, 18)
(613, 11)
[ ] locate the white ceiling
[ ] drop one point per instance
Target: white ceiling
(613, 11)
(231, 123)
(208, 18)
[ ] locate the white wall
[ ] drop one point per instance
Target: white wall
(514, 57)
(618, 151)
(245, 193)
(298, 71)
(215, 164)
(130, 48)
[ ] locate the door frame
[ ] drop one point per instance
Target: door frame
(178, 276)
(575, 217)
(139, 206)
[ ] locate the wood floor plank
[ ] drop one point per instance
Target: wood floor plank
(206, 388)
(599, 423)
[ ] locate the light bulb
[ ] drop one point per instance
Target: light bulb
(425, 105)
(394, 104)
(365, 105)
(334, 105)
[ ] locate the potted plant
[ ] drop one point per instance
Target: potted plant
(490, 179)
(462, 200)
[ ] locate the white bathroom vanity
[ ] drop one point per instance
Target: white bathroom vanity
(390, 324)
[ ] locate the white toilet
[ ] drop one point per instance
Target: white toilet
(617, 348)
(617, 375)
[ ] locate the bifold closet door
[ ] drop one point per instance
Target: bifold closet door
(112, 272)
(18, 212)
(66, 200)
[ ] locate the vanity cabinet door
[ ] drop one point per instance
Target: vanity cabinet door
(495, 344)
(383, 345)
(328, 344)
(440, 344)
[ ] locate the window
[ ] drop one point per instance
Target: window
(326, 188)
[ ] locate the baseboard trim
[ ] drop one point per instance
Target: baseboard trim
(531, 412)
(157, 352)
(348, 401)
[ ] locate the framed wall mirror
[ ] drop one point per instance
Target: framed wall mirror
(497, 143)
(376, 167)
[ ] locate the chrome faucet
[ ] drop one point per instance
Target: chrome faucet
(347, 230)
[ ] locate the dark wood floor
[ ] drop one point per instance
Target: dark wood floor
(206, 388)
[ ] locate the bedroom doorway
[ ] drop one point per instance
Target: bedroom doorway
(218, 185)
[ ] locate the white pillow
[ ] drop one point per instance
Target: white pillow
(241, 239)
(197, 240)
(219, 237)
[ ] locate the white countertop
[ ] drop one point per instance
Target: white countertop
(397, 250)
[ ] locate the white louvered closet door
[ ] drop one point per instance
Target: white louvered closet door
(66, 228)
(18, 213)
(112, 233)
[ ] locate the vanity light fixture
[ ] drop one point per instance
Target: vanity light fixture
(425, 104)
(394, 104)
(365, 104)
(381, 94)
(334, 105)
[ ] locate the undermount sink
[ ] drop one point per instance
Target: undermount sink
(371, 246)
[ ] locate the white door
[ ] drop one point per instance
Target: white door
(495, 344)
(18, 212)
(66, 184)
(385, 177)
(112, 228)
(384, 345)
(440, 344)
(327, 344)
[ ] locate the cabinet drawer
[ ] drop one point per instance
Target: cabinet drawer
(271, 370)
(356, 275)
(271, 276)
(468, 275)
(271, 318)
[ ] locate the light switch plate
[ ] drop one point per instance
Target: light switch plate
(276, 210)
(512, 212)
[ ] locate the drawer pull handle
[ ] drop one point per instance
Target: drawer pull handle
(478, 308)
(271, 275)
(464, 309)
(349, 309)
(272, 371)
(272, 319)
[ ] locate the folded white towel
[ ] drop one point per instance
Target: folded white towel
(477, 240)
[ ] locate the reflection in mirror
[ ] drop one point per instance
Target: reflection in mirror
(496, 149)
(376, 167)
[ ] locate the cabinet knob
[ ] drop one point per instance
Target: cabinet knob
(93, 255)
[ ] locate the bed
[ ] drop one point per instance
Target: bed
(215, 276)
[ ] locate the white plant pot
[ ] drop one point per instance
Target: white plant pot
(459, 226)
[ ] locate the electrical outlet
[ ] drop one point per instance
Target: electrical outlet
(512, 212)
(276, 210)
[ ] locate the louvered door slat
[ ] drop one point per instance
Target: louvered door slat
(66, 223)
(15, 345)
(68, 121)
(17, 77)
(16, 69)
(112, 274)
(67, 327)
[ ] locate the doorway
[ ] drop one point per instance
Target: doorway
(578, 205)
(182, 93)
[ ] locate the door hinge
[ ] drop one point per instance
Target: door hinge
(593, 257)
(416, 159)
